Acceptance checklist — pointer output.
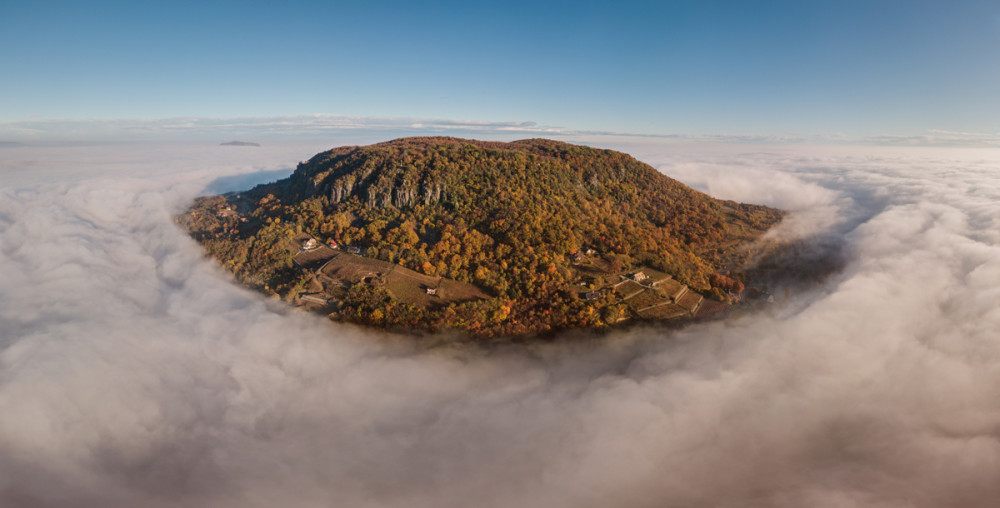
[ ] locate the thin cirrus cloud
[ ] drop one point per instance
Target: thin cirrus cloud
(96, 130)
(296, 125)
(938, 137)
(133, 372)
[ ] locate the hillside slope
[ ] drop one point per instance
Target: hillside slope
(534, 223)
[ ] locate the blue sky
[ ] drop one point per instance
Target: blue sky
(865, 68)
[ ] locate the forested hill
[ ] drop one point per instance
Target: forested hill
(507, 217)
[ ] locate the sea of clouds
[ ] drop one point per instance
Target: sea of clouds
(133, 372)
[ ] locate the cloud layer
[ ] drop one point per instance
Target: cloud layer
(134, 373)
(61, 131)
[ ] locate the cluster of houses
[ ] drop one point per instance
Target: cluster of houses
(581, 255)
(229, 212)
(310, 244)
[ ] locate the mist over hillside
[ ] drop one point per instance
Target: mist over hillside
(134, 372)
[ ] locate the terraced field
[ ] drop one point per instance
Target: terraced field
(629, 289)
(666, 311)
(647, 298)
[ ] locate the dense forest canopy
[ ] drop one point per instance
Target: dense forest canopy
(507, 217)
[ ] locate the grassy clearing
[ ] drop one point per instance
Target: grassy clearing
(402, 283)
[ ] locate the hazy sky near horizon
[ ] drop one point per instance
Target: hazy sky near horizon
(854, 68)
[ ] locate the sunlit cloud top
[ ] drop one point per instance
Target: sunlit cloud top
(135, 372)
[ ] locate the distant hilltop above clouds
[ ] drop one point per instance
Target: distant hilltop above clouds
(488, 239)
(239, 143)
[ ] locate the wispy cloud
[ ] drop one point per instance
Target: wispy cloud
(297, 125)
(938, 137)
(39, 130)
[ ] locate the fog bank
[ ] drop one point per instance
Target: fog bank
(133, 372)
